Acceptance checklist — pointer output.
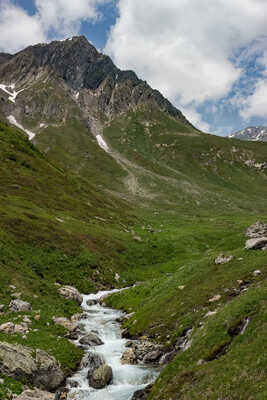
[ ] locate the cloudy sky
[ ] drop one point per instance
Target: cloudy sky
(209, 57)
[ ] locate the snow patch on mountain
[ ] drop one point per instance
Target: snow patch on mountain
(253, 133)
(13, 121)
(10, 90)
(101, 142)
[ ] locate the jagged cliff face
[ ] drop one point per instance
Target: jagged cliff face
(89, 82)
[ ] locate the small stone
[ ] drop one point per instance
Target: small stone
(222, 259)
(181, 287)
(117, 277)
(37, 317)
(257, 272)
(91, 302)
(215, 298)
(239, 282)
(2, 307)
(16, 295)
(7, 328)
(19, 305)
(12, 287)
(209, 313)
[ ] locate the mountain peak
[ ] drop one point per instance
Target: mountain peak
(253, 133)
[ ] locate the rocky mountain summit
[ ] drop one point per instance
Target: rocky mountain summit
(254, 133)
(73, 69)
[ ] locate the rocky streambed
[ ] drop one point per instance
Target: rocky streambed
(104, 372)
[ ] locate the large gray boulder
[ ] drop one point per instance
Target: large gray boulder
(259, 229)
(35, 395)
(257, 243)
(19, 305)
(36, 368)
(101, 377)
(91, 339)
(70, 292)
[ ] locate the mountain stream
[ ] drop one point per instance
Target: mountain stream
(126, 378)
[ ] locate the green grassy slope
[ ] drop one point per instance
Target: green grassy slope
(195, 197)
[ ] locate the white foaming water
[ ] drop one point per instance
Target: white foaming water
(126, 378)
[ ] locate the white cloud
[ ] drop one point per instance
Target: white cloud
(17, 28)
(256, 104)
(187, 48)
(54, 19)
(195, 118)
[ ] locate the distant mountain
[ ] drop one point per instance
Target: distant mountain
(254, 133)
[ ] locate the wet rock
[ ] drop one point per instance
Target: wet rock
(91, 339)
(167, 358)
(65, 322)
(61, 394)
(35, 395)
(153, 356)
(259, 229)
(255, 244)
(144, 348)
(36, 368)
(128, 357)
(92, 361)
(142, 394)
(222, 259)
(74, 335)
(70, 292)
(76, 317)
(91, 302)
(101, 377)
(19, 305)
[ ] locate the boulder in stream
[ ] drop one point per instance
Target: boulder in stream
(101, 377)
(91, 339)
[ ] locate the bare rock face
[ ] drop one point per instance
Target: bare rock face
(257, 243)
(101, 377)
(70, 293)
(36, 368)
(19, 305)
(257, 230)
(91, 339)
(35, 395)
